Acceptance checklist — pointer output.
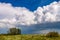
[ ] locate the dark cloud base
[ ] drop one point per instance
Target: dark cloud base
(35, 29)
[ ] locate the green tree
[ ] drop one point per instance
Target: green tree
(52, 34)
(14, 31)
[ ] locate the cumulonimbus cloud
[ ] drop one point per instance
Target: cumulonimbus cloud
(49, 13)
(10, 16)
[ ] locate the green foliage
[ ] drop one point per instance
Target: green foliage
(52, 34)
(14, 31)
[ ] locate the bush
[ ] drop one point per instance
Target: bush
(52, 34)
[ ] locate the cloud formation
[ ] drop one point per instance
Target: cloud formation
(49, 13)
(11, 16)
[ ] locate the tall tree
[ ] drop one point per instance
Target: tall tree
(14, 31)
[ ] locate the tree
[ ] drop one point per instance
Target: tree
(14, 31)
(52, 34)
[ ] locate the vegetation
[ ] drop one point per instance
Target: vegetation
(52, 34)
(14, 31)
(27, 37)
(14, 34)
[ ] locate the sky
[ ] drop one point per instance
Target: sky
(30, 4)
(31, 16)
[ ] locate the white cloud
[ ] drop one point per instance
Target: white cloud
(15, 15)
(11, 16)
(49, 13)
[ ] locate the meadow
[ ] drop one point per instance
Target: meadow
(27, 37)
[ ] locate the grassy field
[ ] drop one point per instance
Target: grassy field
(27, 37)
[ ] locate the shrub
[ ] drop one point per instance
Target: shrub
(52, 34)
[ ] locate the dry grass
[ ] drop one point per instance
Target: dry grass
(26, 37)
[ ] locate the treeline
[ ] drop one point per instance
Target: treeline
(17, 31)
(13, 31)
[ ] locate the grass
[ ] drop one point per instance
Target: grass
(27, 37)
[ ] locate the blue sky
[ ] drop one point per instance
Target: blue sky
(30, 4)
